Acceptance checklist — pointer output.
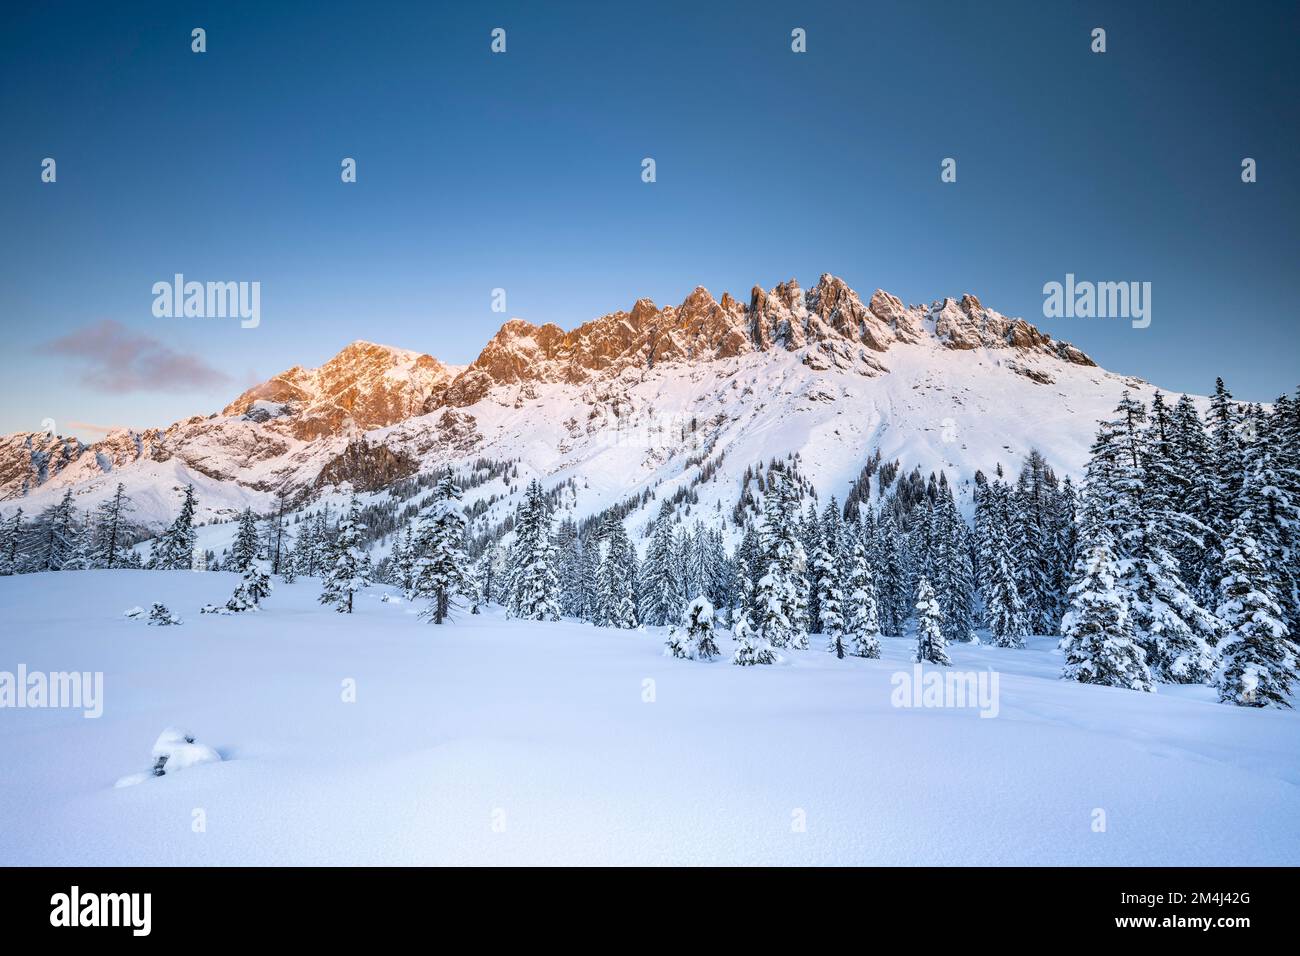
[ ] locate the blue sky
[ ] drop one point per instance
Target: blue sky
(522, 171)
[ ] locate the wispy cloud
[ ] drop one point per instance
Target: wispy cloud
(90, 427)
(115, 359)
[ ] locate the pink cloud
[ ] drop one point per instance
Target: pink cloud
(115, 359)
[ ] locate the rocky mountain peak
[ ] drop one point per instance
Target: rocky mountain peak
(364, 386)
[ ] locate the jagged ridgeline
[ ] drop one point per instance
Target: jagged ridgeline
(631, 400)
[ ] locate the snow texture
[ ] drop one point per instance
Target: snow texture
(529, 742)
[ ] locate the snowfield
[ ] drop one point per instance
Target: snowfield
(489, 741)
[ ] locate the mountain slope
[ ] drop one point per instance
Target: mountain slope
(650, 398)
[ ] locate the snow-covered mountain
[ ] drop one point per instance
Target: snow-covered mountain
(678, 397)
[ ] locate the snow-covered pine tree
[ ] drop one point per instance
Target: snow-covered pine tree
(1171, 627)
(1030, 508)
(289, 565)
(1096, 635)
(862, 620)
(952, 576)
(1270, 507)
(1065, 548)
(693, 639)
(1259, 658)
(274, 543)
(930, 644)
(1224, 422)
(810, 536)
(304, 548)
(11, 539)
(245, 549)
(404, 560)
(1193, 496)
(569, 571)
(694, 561)
(616, 577)
(892, 580)
(487, 574)
(719, 576)
(82, 557)
(441, 566)
(1283, 436)
(920, 546)
(53, 536)
(751, 647)
(399, 567)
(174, 550)
(110, 528)
(748, 569)
(830, 596)
(159, 616)
(348, 568)
(835, 535)
(782, 590)
(254, 586)
(533, 587)
(662, 596)
(1003, 608)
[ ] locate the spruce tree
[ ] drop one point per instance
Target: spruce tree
(616, 577)
(1259, 659)
(533, 587)
(573, 587)
(1096, 635)
(748, 569)
(930, 644)
(662, 595)
(782, 591)
(440, 565)
(486, 574)
(1172, 628)
(810, 537)
(51, 538)
(953, 578)
(174, 551)
(110, 526)
(274, 544)
(892, 582)
(245, 550)
(693, 639)
(81, 552)
(1065, 548)
(830, 596)
(254, 586)
(348, 569)
(11, 539)
(1029, 539)
(1193, 497)
(862, 620)
(751, 647)
(1003, 608)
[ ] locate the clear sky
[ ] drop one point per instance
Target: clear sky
(523, 171)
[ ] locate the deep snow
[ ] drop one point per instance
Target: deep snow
(495, 742)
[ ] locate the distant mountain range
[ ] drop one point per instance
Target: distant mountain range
(658, 398)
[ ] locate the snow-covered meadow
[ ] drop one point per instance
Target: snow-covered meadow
(489, 741)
